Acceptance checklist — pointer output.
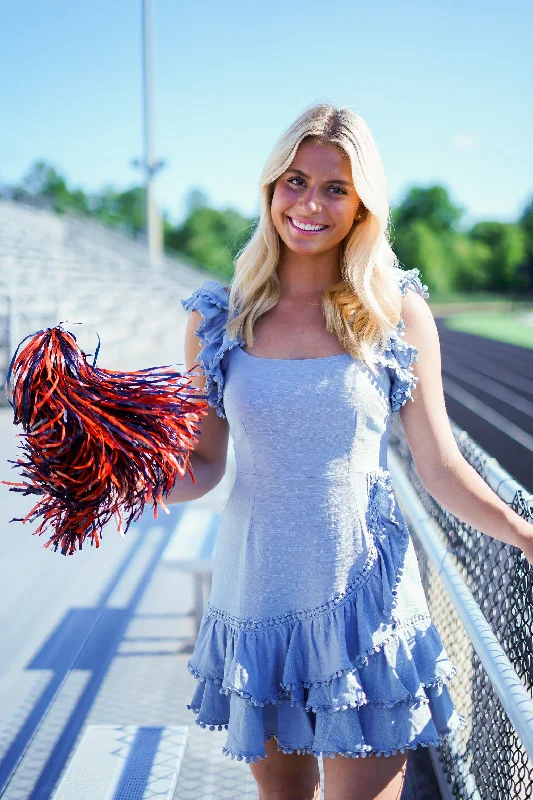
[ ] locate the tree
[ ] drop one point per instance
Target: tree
(43, 180)
(526, 223)
(417, 245)
(425, 234)
(121, 209)
(505, 245)
(211, 237)
(432, 206)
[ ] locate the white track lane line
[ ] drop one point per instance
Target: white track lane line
(488, 414)
(494, 371)
(495, 389)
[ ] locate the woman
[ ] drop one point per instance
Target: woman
(317, 638)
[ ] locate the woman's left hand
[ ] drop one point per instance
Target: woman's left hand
(525, 539)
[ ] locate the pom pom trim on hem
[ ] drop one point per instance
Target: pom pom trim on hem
(362, 752)
(361, 660)
(415, 700)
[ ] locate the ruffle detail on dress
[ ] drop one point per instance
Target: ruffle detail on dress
(398, 356)
(322, 647)
(390, 534)
(349, 714)
(211, 300)
(375, 683)
(410, 279)
(394, 673)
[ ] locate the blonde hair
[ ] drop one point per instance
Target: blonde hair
(362, 307)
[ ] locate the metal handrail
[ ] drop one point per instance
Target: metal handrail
(514, 697)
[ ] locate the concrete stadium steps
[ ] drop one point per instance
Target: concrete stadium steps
(113, 762)
(58, 268)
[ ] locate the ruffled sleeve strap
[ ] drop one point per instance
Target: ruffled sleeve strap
(211, 300)
(399, 356)
(410, 279)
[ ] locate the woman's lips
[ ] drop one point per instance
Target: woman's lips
(305, 233)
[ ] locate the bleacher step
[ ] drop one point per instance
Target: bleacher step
(194, 539)
(124, 762)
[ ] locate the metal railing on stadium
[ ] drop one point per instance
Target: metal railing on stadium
(479, 593)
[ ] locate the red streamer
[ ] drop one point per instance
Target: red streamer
(98, 444)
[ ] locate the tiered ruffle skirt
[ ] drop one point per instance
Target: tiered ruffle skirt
(347, 678)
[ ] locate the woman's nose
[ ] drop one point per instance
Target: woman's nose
(310, 201)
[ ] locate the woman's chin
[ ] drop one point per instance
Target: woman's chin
(307, 248)
(304, 248)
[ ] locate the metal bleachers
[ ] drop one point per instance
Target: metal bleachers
(120, 762)
(192, 549)
(62, 268)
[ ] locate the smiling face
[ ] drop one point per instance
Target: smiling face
(315, 191)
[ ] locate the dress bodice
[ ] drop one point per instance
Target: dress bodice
(309, 417)
(310, 438)
(395, 359)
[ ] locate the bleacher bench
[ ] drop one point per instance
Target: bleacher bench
(192, 549)
(122, 762)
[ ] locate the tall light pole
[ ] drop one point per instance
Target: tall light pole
(147, 165)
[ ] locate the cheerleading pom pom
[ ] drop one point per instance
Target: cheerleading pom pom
(97, 444)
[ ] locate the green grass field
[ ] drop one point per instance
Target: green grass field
(500, 326)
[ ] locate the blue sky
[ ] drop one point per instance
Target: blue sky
(444, 87)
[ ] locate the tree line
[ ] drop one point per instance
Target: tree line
(426, 231)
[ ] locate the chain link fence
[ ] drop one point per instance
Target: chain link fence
(486, 759)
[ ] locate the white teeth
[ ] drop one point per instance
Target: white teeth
(308, 227)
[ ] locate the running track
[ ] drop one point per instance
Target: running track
(489, 393)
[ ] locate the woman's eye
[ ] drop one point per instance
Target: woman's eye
(296, 178)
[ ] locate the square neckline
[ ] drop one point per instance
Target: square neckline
(315, 358)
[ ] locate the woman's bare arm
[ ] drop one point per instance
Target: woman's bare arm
(445, 473)
(208, 460)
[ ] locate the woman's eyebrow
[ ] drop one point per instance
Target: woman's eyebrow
(333, 180)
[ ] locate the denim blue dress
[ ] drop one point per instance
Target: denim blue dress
(316, 631)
